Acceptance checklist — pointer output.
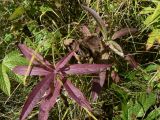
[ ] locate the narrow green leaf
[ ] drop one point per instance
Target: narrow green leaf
(153, 17)
(19, 11)
(147, 10)
(45, 9)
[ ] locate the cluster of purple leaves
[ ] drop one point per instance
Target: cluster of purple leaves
(54, 80)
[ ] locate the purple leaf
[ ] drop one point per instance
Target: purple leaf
(77, 95)
(130, 59)
(96, 88)
(84, 29)
(123, 32)
(28, 53)
(48, 103)
(115, 77)
(36, 95)
(85, 68)
(22, 70)
(98, 84)
(64, 60)
(97, 18)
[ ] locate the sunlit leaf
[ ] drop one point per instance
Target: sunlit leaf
(4, 80)
(153, 37)
(147, 10)
(45, 9)
(153, 17)
(19, 11)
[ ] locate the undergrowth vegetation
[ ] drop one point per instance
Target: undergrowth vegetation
(114, 72)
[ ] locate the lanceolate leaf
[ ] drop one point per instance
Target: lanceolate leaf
(19, 11)
(98, 19)
(29, 53)
(96, 88)
(86, 68)
(22, 70)
(130, 59)
(64, 60)
(116, 48)
(123, 32)
(153, 17)
(77, 95)
(36, 95)
(98, 84)
(48, 103)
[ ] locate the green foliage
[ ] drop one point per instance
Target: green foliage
(154, 115)
(142, 104)
(152, 21)
(9, 62)
(19, 11)
(4, 80)
(154, 36)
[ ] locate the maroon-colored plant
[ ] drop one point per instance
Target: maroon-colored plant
(54, 79)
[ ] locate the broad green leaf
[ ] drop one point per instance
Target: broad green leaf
(154, 115)
(146, 100)
(143, 103)
(147, 10)
(13, 59)
(10, 61)
(19, 11)
(152, 67)
(4, 80)
(153, 36)
(133, 109)
(153, 17)
(8, 37)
